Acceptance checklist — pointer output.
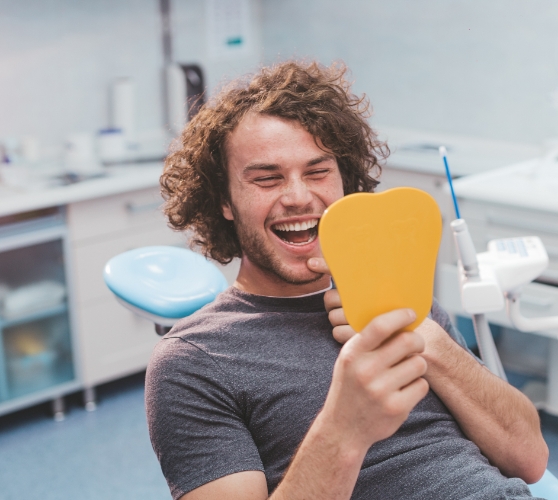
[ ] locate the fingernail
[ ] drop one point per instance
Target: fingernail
(412, 314)
(312, 262)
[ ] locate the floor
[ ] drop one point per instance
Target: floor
(106, 454)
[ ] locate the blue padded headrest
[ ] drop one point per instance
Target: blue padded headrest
(165, 281)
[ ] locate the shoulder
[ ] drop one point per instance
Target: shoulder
(226, 306)
(193, 340)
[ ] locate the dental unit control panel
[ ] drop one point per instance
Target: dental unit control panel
(507, 265)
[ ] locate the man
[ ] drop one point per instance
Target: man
(254, 396)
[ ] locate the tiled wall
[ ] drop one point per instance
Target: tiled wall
(473, 67)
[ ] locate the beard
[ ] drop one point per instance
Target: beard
(254, 247)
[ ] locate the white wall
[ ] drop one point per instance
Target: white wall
(191, 44)
(477, 68)
(58, 57)
(480, 68)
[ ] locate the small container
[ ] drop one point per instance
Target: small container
(80, 155)
(113, 146)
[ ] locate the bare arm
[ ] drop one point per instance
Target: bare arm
(377, 381)
(498, 418)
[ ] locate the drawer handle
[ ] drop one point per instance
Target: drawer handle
(134, 208)
(538, 302)
(522, 224)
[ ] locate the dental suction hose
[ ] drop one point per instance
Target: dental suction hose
(467, 256)
(465, 248)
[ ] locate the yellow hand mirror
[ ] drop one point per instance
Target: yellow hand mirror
(381, 249)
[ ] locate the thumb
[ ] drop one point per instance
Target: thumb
(318, 265)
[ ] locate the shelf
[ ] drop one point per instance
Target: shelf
(34, 316)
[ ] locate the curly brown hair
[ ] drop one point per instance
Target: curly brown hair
(195, 183)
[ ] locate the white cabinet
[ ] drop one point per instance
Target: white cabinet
(112, 341)
(37, 348)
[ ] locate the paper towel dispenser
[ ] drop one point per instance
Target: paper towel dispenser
(185, 94)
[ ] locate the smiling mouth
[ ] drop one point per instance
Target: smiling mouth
(298, 233)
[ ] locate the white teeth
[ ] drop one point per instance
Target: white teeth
(310, 240)
(297, 226)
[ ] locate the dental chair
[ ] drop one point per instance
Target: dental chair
(164, 284)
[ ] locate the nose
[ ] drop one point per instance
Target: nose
(296, 194)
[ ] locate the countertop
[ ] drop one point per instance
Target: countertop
(410, 150)
(418, 151)
(530, 184)
(115, 180)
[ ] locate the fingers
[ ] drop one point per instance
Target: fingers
(332, 300)
(404, 373)
(343, 333)
(337, 317)
(399, 347)
(410, 395)
(381, 328)
(318, 265)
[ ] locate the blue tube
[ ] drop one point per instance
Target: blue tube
(448, 175)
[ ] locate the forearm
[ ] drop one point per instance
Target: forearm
(325, 466)
(498, 418)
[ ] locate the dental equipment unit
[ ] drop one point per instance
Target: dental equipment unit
(492, 280)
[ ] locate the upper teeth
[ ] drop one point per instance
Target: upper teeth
(297, 226)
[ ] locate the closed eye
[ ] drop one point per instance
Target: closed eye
(319, 173)
(267, 181)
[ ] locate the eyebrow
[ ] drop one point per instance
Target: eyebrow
(272, 167)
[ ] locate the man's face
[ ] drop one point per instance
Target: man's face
(280, 183)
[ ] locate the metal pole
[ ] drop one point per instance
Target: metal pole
(487, 347)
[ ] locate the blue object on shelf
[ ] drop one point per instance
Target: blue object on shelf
(164, 281)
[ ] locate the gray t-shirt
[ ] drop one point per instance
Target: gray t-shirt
(235, 387)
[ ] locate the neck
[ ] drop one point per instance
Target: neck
(258, 281)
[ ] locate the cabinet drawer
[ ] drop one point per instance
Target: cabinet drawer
(532, 221)
(113, 214)
(89, 260)
(113, 342)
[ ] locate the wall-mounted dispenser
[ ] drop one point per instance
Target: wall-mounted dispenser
(183, 83)
(184, 94)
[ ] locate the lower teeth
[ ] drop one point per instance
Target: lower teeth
(311, 239)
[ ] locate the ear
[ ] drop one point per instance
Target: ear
(227, 211)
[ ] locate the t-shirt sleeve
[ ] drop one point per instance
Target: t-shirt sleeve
(440, 316)
(195, 422)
